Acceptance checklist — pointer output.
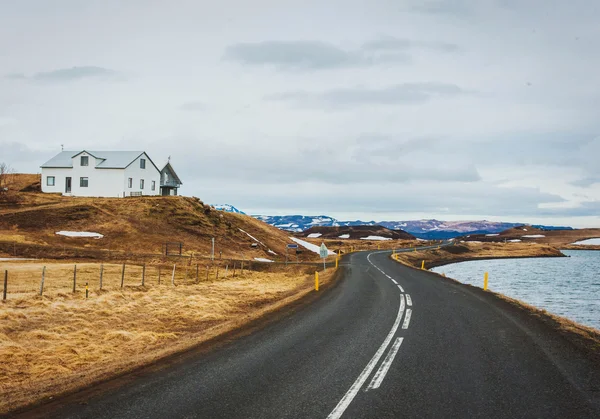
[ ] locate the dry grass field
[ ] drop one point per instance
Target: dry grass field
(61, 342)
(472, 251)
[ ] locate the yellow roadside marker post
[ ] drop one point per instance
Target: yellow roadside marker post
(423, 265)
(316, 281)
(485, 281)
(336, 262)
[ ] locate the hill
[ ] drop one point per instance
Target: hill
(555, 237)
(136, 225)
(356, 233)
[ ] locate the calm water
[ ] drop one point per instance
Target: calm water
(568, 287)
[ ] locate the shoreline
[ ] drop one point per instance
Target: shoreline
(581, 336)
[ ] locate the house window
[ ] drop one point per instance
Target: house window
(83, 182)
(130, 183)
(153, 185)
(50, 181)
(141, 183)
(142, 163)
(85, 160)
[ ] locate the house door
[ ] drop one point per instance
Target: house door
(68, 185)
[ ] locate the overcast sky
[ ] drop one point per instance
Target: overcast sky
(378, 109)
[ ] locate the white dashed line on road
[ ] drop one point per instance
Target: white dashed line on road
(385, 365)
(341, 407)
(407, 318)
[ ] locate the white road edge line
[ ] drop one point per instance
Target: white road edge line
(407, 318)
(341, 407)
(408, 300)
(385, 365)
(401, 289)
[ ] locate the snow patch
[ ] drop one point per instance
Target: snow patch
(533, 236)
(312, 247)
(262, 260)
(272, 252)
(252, 237)
(588, 242)
(344, 236)
(515, 241)
(492, 235)
(375, 238)
(314, 235)
(80, 234)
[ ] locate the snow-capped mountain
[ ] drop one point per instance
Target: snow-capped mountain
(228, 208)
(424, 229)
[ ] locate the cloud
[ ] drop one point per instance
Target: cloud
(399, 94)
(457, 8)
(306, 55)
(65, 75)
(193, 106)
(586, 181)
(390, 43)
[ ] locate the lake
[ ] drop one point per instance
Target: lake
(568, 287)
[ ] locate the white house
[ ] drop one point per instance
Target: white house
(107, 174)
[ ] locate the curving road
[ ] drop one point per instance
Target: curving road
(386, 342)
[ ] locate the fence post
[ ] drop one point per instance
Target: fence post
(74, 277)
(197, 273)
(42, 283)
(173, 276)
(158, 274)
(143, 274)
(207, 272)
(217, 276)
(123, 276)
(5, 285)
(86, 290)
(226, 269)
(101, 273)
(234, 269)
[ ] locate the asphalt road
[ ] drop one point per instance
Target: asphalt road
(386, 342)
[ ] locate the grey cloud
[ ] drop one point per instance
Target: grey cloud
(586, 209)
(457, 8)
(404, 94)
(16, 76)
(389, 196)
(193, 106)
(370, 146)
(391, 43)
(63, 75)
(586, 181)
(306, 55)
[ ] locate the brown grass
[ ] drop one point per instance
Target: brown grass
(472, 251)
(62, 342)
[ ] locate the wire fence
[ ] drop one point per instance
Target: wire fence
(38, 278)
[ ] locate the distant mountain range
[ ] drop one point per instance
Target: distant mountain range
(423, 229)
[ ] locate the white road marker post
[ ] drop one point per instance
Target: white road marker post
(323, 252)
